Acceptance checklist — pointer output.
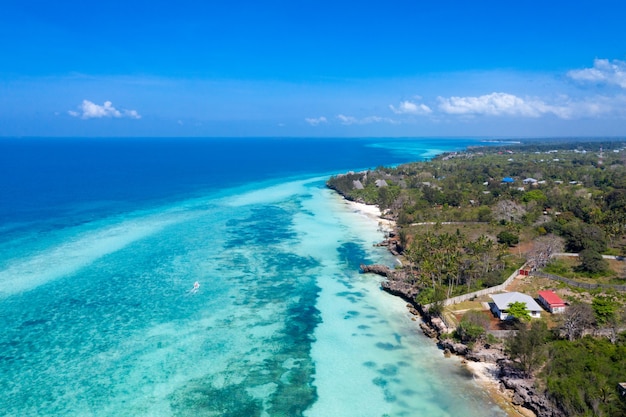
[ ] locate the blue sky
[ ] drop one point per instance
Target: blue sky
(313, 68)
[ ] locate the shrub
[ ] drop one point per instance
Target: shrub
(472, 327)
(509, 238)
(592, 261)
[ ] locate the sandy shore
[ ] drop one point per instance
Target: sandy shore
(372, 212)
(485, 375)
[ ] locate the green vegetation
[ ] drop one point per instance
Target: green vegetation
(472, 327)
(519, 311)
(472, 182)
(574, 268)
(450, 264)
(591, 261)
(468, 186)
(582, 376)
(563, 192)
(508, 238)
(558, 266)
(528, 346)
(462, 228)
(605, 309)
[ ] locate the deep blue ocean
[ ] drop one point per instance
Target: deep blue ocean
(44, 178)
(206, 277)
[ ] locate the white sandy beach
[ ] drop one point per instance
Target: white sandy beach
(372, 212)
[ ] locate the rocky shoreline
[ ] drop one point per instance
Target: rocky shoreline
(516, 393)
(397, 282)
(511, 383)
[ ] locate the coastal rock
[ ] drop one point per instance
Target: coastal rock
(428, 331)
(452, 346)
(412, 310)
(486, 355)
(377, 269)
(526, 394)
(400, 288)
(439, 325)
(395, 248)
(392, 243)
(397, 283)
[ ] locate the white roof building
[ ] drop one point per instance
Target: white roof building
(501, 304)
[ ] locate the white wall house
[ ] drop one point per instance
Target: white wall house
(501, 303)
(552, 302)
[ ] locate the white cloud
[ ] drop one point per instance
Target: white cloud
(350, 120)
(132, 114)
(347, 120)
(603, 71)
(597, 106)
(563, 107)
(500, 104)
(377, 119)
(91, 110)
(408, 107)
(315, 121)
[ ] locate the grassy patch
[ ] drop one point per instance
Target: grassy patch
(566, 266)
(466, 305)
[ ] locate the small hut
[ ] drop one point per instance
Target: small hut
(552, 302)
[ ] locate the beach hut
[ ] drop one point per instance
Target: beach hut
(381, 183)
(501, 302)
(552, 302)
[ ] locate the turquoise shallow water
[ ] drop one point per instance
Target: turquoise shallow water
(99, 317)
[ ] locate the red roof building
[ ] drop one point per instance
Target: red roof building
(552, 302)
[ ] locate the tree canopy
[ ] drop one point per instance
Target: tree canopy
(519, 311)
(528, 346)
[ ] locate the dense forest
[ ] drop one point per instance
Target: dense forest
(466, 220)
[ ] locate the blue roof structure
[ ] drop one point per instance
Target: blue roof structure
(508, 180)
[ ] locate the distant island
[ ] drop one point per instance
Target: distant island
(543, 222)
